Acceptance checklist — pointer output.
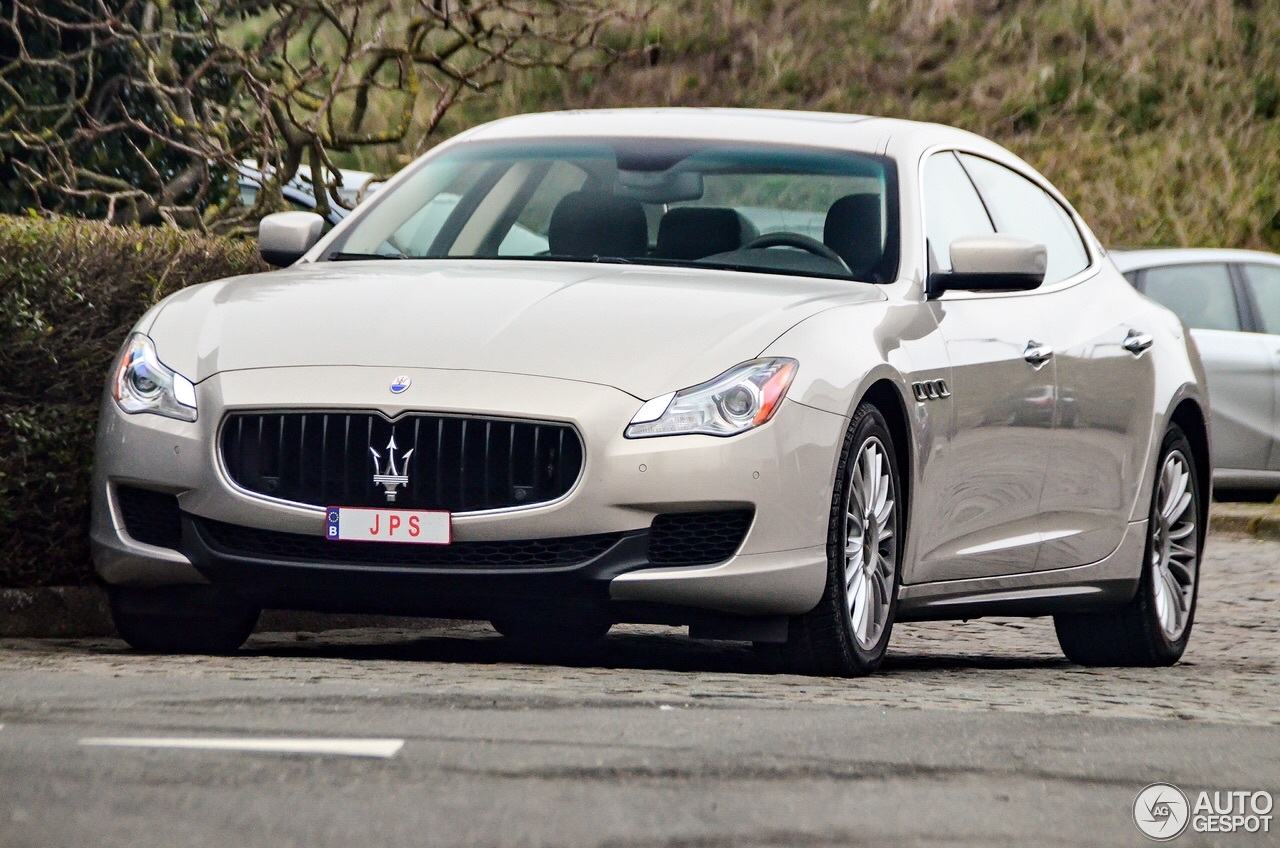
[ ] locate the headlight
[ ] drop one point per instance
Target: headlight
(743, 397)
(145, 384)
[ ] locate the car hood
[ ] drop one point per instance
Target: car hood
(641, 329)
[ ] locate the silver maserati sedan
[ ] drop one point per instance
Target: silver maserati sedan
(778, 377)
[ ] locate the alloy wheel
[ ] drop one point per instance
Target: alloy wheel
(1175, 538)
(871, 549)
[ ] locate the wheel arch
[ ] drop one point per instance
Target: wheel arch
(885, 396)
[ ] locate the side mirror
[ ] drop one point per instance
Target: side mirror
(992, 263)
(283, 237)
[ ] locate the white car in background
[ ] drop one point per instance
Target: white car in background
(299, 193)
(1230, 300)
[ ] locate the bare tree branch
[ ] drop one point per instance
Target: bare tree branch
(136, 110)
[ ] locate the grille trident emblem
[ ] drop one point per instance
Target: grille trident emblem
(390, 478)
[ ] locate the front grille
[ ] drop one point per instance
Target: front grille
(697, 538)
(151, 518)
(440, 462)
(252, 542)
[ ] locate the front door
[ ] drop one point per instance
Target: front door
(984, 519)
(1003, 397)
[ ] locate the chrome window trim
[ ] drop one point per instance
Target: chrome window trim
(1092, 249)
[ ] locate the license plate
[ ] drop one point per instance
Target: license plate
(412, 526)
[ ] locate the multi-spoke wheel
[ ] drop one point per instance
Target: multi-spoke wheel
(871, 546)
(1154, 627)
(1174, 555)
(847, 633)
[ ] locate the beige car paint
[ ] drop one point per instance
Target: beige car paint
(588, 343)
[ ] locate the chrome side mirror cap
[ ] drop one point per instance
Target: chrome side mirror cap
(997, 262)
(283, 237)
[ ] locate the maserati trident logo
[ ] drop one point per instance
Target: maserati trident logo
(390, 478)
(399, 385)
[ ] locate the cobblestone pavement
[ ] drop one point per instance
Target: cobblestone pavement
(1228, 674)
(975, 735)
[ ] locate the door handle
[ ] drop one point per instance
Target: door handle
(1137, 341)
(1037, 353)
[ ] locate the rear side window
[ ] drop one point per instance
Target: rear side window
(952, 208)
(1264, 285)
(1201, 295)
(1020, 207)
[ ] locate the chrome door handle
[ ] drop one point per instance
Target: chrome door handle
(1137, 341)
(1036, 353)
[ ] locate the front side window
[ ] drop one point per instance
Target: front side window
(642, 201)
(1020, 207)
(952, 208)
(1264, 285)
(1201, 295)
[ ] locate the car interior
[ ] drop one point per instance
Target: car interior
(771, 211)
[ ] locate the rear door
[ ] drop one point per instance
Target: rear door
(1262, 291)
(1239, 366)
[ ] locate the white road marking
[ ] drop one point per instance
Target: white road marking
(385, 748)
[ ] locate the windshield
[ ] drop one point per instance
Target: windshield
(766, 208)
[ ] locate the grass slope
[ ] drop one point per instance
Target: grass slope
(1159, 120)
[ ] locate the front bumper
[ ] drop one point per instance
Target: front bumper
(783, 471)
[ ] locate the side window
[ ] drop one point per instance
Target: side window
(952, 208)
(1202, 295)
(1020, 207)
(1264, 284)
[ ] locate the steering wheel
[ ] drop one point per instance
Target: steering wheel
(805, 243)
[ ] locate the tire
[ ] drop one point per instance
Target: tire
(1154, 627)
(847, 633)
(182, 620)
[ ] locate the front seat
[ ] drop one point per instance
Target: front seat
(687, 233)
(852, 230)
(590, 223)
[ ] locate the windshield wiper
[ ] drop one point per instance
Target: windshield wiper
(338, 256)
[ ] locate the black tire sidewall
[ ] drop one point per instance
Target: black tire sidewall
(867, 422)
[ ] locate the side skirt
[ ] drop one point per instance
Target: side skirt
(1110, 582)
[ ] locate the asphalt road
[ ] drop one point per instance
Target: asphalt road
(973, 734)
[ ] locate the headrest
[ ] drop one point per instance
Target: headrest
(853, 231)
(693, 232)
(596, 223)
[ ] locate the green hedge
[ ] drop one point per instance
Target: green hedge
(69, 292)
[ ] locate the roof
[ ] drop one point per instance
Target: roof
(863, 133)
(1128, 259)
